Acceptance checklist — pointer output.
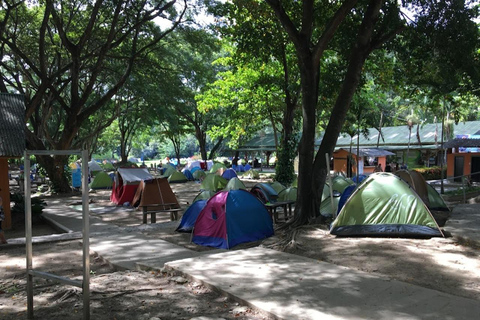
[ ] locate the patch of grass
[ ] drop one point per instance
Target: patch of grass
(459, 191)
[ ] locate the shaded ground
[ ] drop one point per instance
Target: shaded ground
(439, 263)
(114, 295)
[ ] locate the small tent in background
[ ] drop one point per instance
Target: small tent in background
(188, 174)
(295, 182)
(326, 209)
(235, 184)
(417, 182)
(102, 180)
(230, 218)
(339, 183)
(177, 177)
(345, 195)
(240, 168)
(264, 192)
(288, 194)
(190, 216)
(247, 167)
(193, 164)
(229, 174)
(251, 174)
(217, 166)
(194, 169)
(199, 174)
(213, 182)
(107, 166)
(168, 170)
(94, 167)
(204, 195)
(385, 205)
(436, 200)
(126, 183)
(277, 186)
(154, 192)
(359, 178)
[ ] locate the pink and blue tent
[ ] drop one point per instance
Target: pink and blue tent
(190, 216)
(229, 174)
(230, 218)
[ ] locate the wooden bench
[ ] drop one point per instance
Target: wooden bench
(172, 208)
(285, 205)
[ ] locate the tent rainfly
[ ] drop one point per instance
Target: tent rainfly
(385, 205)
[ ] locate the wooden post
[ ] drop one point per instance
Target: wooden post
(5, 193)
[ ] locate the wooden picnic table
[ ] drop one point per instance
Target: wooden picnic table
(285, 205)
(153, 209)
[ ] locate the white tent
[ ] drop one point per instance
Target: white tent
(94, 166)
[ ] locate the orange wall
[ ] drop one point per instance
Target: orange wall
(340, 162)
(467, 163)
(5, 193)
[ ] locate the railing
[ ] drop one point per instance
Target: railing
(465, 182)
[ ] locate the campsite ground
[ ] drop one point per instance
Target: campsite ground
(439, 263)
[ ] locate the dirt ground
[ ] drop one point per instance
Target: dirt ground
(438, 263)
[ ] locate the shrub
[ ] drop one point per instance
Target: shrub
(432, 173)
(18, 209)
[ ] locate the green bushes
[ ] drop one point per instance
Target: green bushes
(18, 209)
(432, 173)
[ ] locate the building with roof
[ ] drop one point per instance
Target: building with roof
(406, 146)
(463, 157)
(12, 143)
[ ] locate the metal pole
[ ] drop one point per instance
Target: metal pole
(327, 158)
(86, 237)
(442, 189)
(28, 233)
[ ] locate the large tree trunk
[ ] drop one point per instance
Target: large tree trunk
(202, 141)
(307, 206)
(56, 172)
(352, 78)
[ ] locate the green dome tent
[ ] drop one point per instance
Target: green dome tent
(288, 194)
(385, 205)
(108, 166)
(101, 181)
(204, 195)
(277, 186)
(235, 184)
(339, 183)
(169, 170)
(213, 182)
(199, 174)
(217, 166)
(177, 177)
(251, 174)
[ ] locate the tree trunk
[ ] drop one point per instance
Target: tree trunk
(215, 148)
(352, 78)
(55, 169)
(202, 142)
(307, 206)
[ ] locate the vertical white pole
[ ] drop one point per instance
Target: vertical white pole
(327, 158)
(28, 233)
(86, 237)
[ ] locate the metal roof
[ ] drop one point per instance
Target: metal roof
(12, 125)
(458, 142)
(370, 152)
(392, 138)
